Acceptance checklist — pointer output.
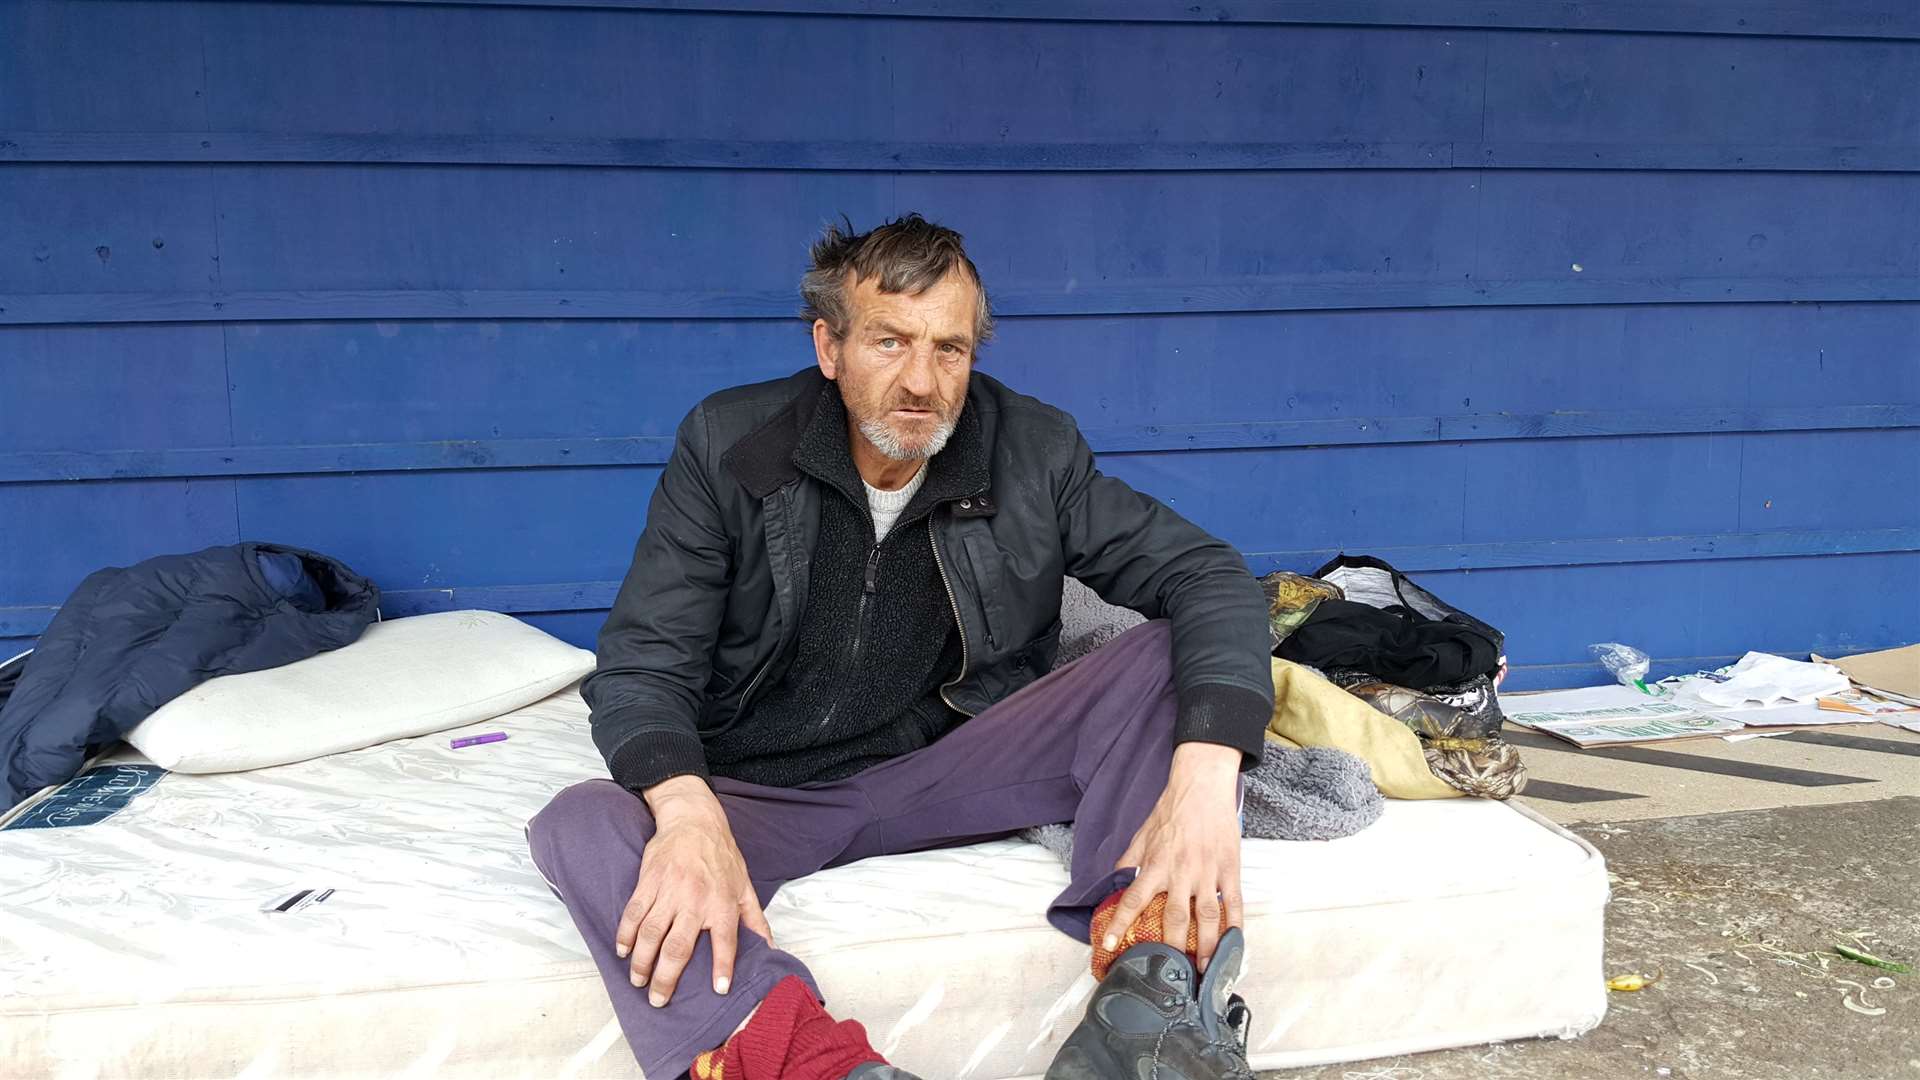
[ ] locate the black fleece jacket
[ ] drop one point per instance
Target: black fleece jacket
(876, 639)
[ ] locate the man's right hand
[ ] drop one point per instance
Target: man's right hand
(692, 879)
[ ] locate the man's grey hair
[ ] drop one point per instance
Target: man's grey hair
(909, 255)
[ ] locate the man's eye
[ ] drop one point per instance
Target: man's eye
(889, 343)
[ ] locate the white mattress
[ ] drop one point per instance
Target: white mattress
(136, 947)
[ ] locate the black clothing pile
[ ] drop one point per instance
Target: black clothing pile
(1396, 643)
(1410, 655)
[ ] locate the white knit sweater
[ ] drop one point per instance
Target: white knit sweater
(886, 505)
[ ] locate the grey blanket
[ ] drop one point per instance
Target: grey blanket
(1315, 793)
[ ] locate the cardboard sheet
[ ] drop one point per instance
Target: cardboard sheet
(1896, 671)
(1613, 716)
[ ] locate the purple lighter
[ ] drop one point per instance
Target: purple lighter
(476, 740)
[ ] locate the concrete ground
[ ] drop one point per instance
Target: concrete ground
(1735, 912)
(1838, 764)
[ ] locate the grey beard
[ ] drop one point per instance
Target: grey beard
(884, 440)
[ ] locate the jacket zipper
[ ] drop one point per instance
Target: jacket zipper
(741, 709)
(870, 583)
(959, 626)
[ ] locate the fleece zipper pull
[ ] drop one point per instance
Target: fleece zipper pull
(873, 569)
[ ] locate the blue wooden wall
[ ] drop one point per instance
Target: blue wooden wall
(1604, 315)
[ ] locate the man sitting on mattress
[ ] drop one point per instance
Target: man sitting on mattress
(834, 643)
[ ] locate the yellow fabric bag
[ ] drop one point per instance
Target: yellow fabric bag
(1310, 711)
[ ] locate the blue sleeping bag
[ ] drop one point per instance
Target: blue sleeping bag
(131, 639)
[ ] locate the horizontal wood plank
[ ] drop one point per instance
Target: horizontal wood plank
(28, 309)
(252, 148)
(1883, 19)
(652, 450)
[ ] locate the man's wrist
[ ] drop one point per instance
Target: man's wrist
(680, 798)
(1204, 761)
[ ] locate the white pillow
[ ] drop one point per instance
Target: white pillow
(404, 677)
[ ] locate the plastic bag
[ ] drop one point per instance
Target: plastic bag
(1628, 665)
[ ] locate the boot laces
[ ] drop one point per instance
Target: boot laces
(1237, 1022)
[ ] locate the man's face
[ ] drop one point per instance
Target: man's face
(904, 363)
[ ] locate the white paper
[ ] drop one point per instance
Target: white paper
(1762, 679)
(1805, 714)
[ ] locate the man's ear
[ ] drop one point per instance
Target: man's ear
(826, 351)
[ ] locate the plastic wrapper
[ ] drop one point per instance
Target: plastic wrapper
(1628, 665)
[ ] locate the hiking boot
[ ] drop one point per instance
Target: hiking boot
(880, 1070)
(1147, 1021)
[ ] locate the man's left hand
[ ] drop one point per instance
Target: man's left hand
(1189, 849)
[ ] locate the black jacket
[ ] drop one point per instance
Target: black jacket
(131, 639)
(709, 610)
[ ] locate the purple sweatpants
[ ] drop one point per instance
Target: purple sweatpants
(1090, 743)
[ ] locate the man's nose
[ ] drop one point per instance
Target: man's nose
(918, 377)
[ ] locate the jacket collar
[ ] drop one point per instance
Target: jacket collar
(810, 435)
(762, 459)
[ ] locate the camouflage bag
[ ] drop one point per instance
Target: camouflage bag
(1462, 743)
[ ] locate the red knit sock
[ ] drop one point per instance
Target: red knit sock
(790, 1038)
(1149, 926)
